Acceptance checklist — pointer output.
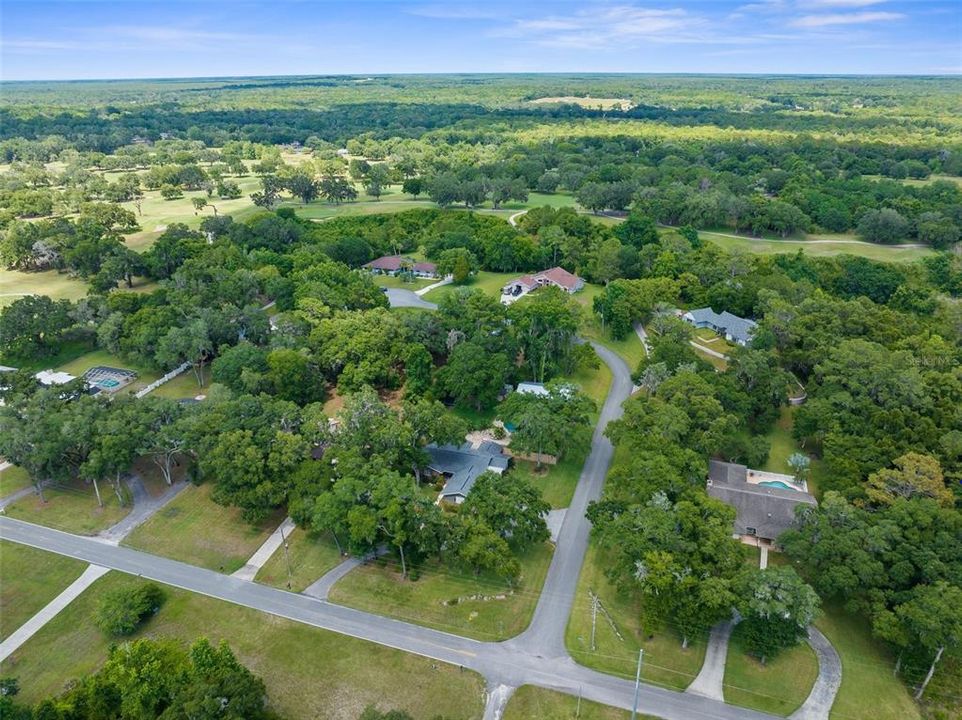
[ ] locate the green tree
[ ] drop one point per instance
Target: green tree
(509, 505)
(776, 607)
(122, 610)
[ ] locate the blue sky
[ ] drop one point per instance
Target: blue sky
(72, 40)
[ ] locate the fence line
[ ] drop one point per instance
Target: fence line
(179, 370)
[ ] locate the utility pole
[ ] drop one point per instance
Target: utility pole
(578, 711)
(594, 619)
(634, 705)
(287, 557)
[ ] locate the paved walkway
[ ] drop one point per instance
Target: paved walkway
(513, 219)
(321, 587)
(711, 678)
(50, 611)
(819, 702)
(145, 505)
(4, 464)
(643, 336)
(20, 494)
(708, 351)
(428, 288)
(555, 520)
(264, 552)
(496, 701)
(763, 557)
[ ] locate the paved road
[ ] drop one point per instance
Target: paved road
(399, 297)
(545, 634)
(819, 702)
(710, 680)
(536, 657)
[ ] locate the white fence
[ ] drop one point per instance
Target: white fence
(180, 369)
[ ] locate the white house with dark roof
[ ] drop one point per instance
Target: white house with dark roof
(764, 502)
(733, 328)
(463, 465)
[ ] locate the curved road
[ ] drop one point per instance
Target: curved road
(536, 657)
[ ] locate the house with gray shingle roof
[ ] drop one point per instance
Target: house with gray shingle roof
(463, 465)
(734, 329)
(764, 502)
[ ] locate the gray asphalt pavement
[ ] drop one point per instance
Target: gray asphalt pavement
(401, 298)
(536, 657)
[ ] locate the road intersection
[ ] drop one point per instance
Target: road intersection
(537, 656)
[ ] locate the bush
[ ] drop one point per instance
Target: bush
(122, 610)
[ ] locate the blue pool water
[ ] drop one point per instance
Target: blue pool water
(776, 484)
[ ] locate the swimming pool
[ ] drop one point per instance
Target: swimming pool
(776, 484)
(108, 383)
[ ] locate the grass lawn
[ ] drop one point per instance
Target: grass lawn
(195, 529)
(309, 673)
(629, 348)
(718, 363)
(78, 366)
(534, 703)
(29, 579)
(824, 245)
(867, 680)
(557, 483)
(593, 382)
(486, 608)
(183, 386)
(490, 282)
(476, 419)
(310, 558)
(59, 286)
(665, 663)
(71, 507)
(783, 444)
(778, 687)
(391, 281)
(12, 479)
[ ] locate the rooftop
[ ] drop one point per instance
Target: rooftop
(761, 510)
(464, 464)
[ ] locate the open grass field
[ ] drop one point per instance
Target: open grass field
(817, 245)
(194, 529)
(778, 687)
(309, 673)
(666, 663)
(310, 558)
(534, 703)
(15, 284)
(483, 607)
(29, 579)
(867, 679)
(71, 507)
(585, 102)
(782, 443)
(12, 479)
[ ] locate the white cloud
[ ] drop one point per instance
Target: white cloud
(831, 19)
(842, 3)
(610, 26)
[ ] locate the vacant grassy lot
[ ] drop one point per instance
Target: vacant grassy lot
(195, 529)
(619, 633)
(818, 245)
(483, 607)
(309, 673)
(310, 558)
(867, 679)
(12, 479)
(71, 507)
(29, 579)
(778, 687)
(783, 444)
(534, 703)
(585, 102)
